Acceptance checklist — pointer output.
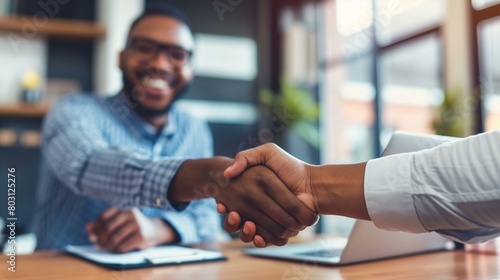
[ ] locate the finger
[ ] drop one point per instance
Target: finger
(109, 213)
(259, 207)
(256, 156)
(271, 218)
(248, 232)
(245, 159)
(278, 208)
(232, 223)
(111, 225)
(121, 237)
(259, 242)
(292, 205)
(239, 165)
(131, 243)
(221, 209)
(102, 220)
(269, 238)
(119, 222)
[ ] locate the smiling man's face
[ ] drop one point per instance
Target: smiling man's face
(156, 64)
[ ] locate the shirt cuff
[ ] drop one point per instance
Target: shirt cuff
(185, 228)
(156, 182)
(388, 194)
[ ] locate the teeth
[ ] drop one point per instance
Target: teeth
(155, 83)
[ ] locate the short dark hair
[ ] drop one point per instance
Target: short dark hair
(159, 8)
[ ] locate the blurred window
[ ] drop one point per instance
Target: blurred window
(350, 101)
(398, 19)
(489, 51)
(382, 68)
(410, 86)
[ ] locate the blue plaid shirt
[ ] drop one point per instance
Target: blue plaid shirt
(98, 153)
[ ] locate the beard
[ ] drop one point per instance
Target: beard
(141, 110)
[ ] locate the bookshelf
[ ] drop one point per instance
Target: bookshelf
(56, 28)
(24, 110)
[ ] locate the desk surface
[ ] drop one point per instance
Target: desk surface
(440, 265)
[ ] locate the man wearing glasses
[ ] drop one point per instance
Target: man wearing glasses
(122, 171)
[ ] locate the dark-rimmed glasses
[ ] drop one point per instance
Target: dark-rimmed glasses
(146, 50)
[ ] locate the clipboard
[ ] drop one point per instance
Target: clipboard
(157, 256)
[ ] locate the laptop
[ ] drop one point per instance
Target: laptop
(366, 242)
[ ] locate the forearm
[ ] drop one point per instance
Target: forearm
(339, 190)
(197, 179)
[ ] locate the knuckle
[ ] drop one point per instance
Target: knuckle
(294, 207)
(280, 232)
(291, 224)
(269, 146)
(262, 178)
(311, 219)
(288, 234)
(274, 240)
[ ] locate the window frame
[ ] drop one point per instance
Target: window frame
(375, 53)
(479, 16)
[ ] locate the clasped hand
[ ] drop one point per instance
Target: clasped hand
(287, 183)
(125, 230)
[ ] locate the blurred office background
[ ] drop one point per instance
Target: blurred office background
(328, 80)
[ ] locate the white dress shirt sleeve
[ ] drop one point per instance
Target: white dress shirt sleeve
(453, 189)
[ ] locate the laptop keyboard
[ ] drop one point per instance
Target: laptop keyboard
(323, 253)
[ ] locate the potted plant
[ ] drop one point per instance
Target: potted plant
(300, 106)
(449, 120)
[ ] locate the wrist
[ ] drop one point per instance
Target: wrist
(339, 190)
(197, 179)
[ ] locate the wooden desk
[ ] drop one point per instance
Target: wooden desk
(440, 265)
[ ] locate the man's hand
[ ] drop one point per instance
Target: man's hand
(259, 195)
(126, 230)
(327, 189)
(293, 173)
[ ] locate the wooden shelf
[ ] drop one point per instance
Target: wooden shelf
(76, 29)
(24, 110)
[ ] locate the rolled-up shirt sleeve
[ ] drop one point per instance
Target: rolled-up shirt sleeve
(453, 189)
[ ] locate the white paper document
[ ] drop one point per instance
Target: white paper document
(163, 255)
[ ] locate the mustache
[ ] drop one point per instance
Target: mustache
(172, 79)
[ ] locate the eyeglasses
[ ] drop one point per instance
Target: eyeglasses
(146, 50)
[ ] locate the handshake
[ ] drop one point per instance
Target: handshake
(281, 195)
(269, 196)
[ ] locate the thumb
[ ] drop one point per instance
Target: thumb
(239, 165)
(244, 160)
